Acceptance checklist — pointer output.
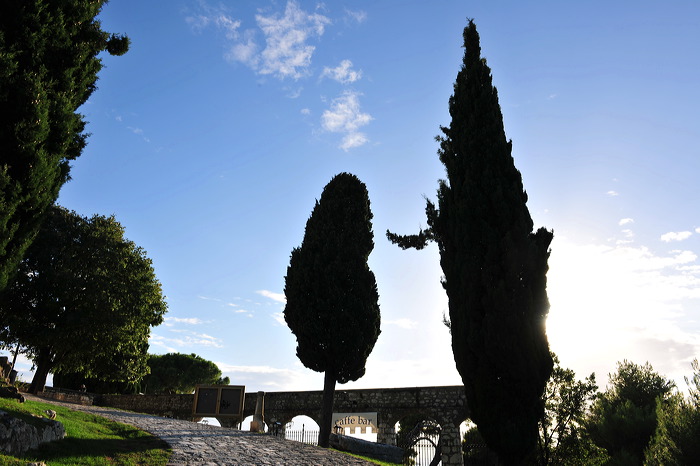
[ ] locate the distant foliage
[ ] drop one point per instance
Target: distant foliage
(332, 299)
(624, 418)
(563, 439)
(677, 436)
(83, 301)
(180, 373)
(48, 69)
(494, 265)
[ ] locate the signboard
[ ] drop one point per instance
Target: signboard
(218, 401)
(354, 420)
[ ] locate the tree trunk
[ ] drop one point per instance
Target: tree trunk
(44, 364)
(326, 409)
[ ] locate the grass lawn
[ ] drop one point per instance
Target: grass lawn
(90, 440)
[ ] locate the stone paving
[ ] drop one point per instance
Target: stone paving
(201, 444)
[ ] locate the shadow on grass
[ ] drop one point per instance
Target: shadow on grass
(113, 451)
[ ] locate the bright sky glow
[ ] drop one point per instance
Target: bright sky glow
(213, 137)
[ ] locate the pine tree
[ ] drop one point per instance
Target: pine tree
(48, 69)
(494, 265)
(332, 300)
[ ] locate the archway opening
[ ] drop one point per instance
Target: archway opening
(419, 436)
(245, 425)
(302, 429)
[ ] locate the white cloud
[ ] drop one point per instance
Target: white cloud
(279, 297)
(305, 111)
(353, 140)
(612, 193)
(633, 303)
(245, 50)
(279, 318)
(697, 230)
(169, 321)
(188, 341)
(345, 116)
(360, 16)
(675, 236)
(287, 53)
(245, 312)
(207, 298)
(217, 16)
(403, 323)
(625, 221)
(342, 73)
(272, 378)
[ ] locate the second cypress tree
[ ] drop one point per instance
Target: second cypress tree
(494, 265)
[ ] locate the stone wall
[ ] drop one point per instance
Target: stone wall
(378, 451)
(174, 406)
(69, 396)
(17, 436)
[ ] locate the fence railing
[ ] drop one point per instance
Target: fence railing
(303, 436)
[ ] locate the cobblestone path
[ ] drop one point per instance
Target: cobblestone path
(201, 444)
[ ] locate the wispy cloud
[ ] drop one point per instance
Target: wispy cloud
(287, 53)
(287, 36)
(245, 312)
(403, 323)
(261, 377)
(675, 236)
(279, 318)
(625, 221)
(342, 73)
(612, 193)
(187, 341)
(279, 297)
(138, 132)
(213, 16)
(208, 298)
(170, 321)
(359, 16)
(345, 116)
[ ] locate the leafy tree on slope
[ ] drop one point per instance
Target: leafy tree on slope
(84, 300)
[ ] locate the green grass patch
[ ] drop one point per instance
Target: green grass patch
(90, 439)
(367, 458)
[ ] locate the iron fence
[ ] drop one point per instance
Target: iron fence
(303, 435)
(422, 452)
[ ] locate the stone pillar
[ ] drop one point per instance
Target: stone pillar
(258, 422)
(385, 429)
(451, 445)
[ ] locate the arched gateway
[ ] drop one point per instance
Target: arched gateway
(445, 405)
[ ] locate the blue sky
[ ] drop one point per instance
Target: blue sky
(213, 137)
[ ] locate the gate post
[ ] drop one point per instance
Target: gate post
(451, 445)
(385, 429)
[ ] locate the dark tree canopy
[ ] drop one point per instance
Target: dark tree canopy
(48, 69)
(83, 301)
(180, 373)
(494, 265)
(332, 299)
